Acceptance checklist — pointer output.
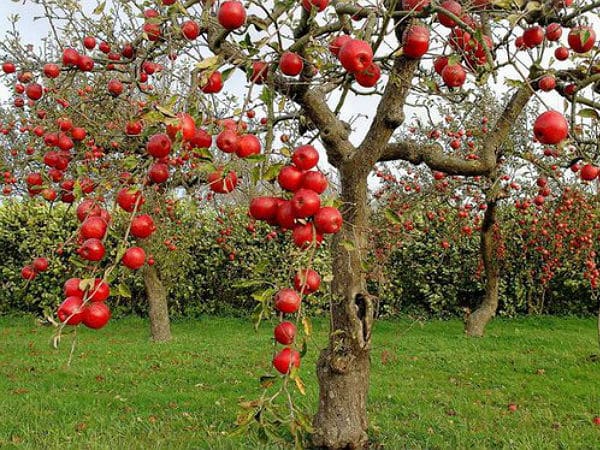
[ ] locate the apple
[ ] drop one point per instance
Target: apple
(452, 7)
(190, 30)
(260, 71)
(263, 208)
(115, 87)
(285, 215)
(285, 360)
(533, 36)
(159, 145)
(247, 145)
(40, 264)
(416, 41)
(71, 288)
(70, 310)
(92, 250)
(581, 39)
(96, 315)
(290, 178)
(328, 220)
(231, 15)
(596, 420)
(201, 139)
(512, 407)
(553, 31)
(305, 157)
(222, 184)
(34, 91)
(158, 173)
(414, 5)
(439, 63)
(290, 64)
(89, 42)
(285, 333)
(85, 63)
(551, 128)
(99, 292)
(287, 301)
(305, 203)
(134, 258)
(588, 172)
(337, 43)
(355, 55)
(93, 227)
(307, 281)
(8, 67)
(51, 70)
(70, 57)
(227, 141)
(214, 84)
(127, 199)
(304, 235)
(28, 273)
(142, 226)
(454, 75)
(368, 77)
(561, 53)
(319, 5)
(547, 83)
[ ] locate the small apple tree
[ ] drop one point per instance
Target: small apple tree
(309, 65)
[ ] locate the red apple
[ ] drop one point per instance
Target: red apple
(285, 333)
(70, 310)
(551, 128)
(134, 258)
(285, 360)
(96, 315)
(287, 301)
(231, 15)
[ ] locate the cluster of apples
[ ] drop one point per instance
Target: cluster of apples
(303, 214)
(85, 302)
(30, 271)
(288, 301)
(356, 56)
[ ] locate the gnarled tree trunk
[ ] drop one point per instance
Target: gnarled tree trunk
(158, 309)
(477, 321)
(343, 367)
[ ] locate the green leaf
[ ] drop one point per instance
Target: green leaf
(349, 246)
(100, 8)
(588, 113)
(392, 216)
(124, 290)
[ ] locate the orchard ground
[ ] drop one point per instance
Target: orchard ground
(431, 387)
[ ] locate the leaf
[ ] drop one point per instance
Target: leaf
(124, 290)
(227, 73)
(392, 216)
(100, 8)
(307, 326)
(588, 113)
(349, 246)
(513, 83)
(299, 383)
(256, 158)
(210, 62)
(267, 380)
(272, 172)
(247, 283)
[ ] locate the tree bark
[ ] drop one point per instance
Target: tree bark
(477, 321)
(343, 367)
(158, 309)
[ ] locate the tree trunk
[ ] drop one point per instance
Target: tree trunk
(343, 367)
(160, 326)
(477, 321)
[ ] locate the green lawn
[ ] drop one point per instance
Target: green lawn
(431, 386)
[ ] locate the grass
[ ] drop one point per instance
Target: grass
(430, 387)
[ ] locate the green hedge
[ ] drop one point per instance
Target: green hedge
(419, 278)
